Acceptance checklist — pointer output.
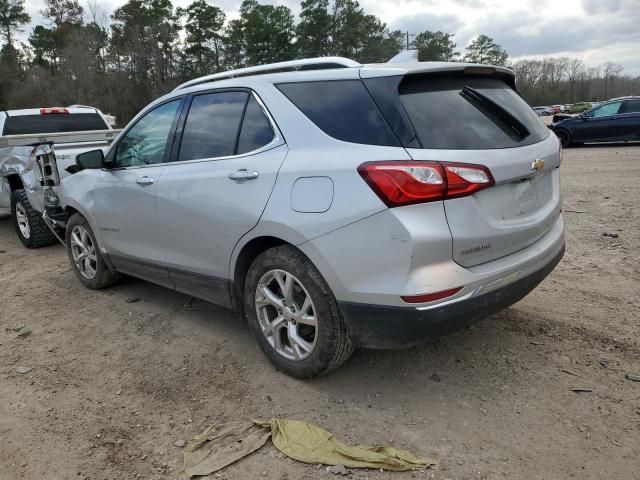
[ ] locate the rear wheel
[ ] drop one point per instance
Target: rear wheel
(29, 224)
(564, 137)
(293, 314)
(85, 257)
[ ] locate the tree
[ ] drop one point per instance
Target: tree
(610, 71)
(44, 46)
(12, 17)
(313, 31)
(347, 30)
(377, 43)
(61, 12)
(435, 46)
(262, 34)
(575, 71)
(203, 42)
(143, 39)
(484, 50)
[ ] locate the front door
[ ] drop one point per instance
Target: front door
(599, 124)
(216, 189)
(125, 196)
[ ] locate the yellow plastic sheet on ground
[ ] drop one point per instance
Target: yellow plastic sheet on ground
(221, 445)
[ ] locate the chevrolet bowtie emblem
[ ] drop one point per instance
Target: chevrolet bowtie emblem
(537, 165)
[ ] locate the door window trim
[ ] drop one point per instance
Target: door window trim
(592, 111)
(276, 141)
(111, 155)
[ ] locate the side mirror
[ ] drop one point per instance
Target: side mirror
(90, 160)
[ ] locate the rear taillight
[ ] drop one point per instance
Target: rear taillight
(400, 183)
(53, 111)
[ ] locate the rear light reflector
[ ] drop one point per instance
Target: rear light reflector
(53, 111)
(431, 297)
(399, 183)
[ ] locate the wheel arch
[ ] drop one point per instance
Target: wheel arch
(15, 182)
(566, 131)
(243, 259)
(72, 208)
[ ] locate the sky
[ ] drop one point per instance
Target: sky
(595, 31)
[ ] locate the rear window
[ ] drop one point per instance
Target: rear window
(444, 118)
(53, 123)
(342, 109)
(211, 129)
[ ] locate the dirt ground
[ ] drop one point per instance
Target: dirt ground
(114, 385)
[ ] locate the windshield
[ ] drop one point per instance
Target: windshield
(466, 113)
(53, 123)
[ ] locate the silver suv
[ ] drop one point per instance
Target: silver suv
(334, 205)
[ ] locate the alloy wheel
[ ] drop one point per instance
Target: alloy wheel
(84, 252)
(23, 220)
(286, 314)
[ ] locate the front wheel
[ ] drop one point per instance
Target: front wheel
(85, 257)
(564, 137)
(293, 314)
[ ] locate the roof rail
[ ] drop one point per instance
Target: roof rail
(319, 63)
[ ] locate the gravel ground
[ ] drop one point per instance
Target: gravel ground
(114, 384)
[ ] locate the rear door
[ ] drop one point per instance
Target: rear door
(455, 122)
(215, 190)
(630, 116)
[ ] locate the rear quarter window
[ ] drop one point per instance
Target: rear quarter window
(343, 109)
(53, 123)
(445, 119)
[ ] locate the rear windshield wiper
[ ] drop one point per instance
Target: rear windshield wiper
(496, 111)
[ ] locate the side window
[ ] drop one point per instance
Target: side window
(212, 125)
(630, 106)
(146, 142)
(606, 110)
(342, 109)
(256, 130)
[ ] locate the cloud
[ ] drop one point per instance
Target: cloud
(593, 30)
(427, 21)
(593, 7)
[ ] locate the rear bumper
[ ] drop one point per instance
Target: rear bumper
(385, 327)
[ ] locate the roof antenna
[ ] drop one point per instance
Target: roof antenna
(406, 56)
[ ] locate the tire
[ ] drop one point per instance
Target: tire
(93, 273)
(564, 136)
(28, 223)
(327, 344)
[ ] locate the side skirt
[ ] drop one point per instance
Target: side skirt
(212, 289)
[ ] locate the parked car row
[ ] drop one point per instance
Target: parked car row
(580, 107)
(333, 205)
(617, 120)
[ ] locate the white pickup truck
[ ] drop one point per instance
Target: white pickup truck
(26, 137)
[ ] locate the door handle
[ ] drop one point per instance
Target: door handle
(243, 174)
(143, 181)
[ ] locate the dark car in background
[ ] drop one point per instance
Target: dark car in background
(613, 121)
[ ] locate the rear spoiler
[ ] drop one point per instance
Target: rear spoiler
(405, 66)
